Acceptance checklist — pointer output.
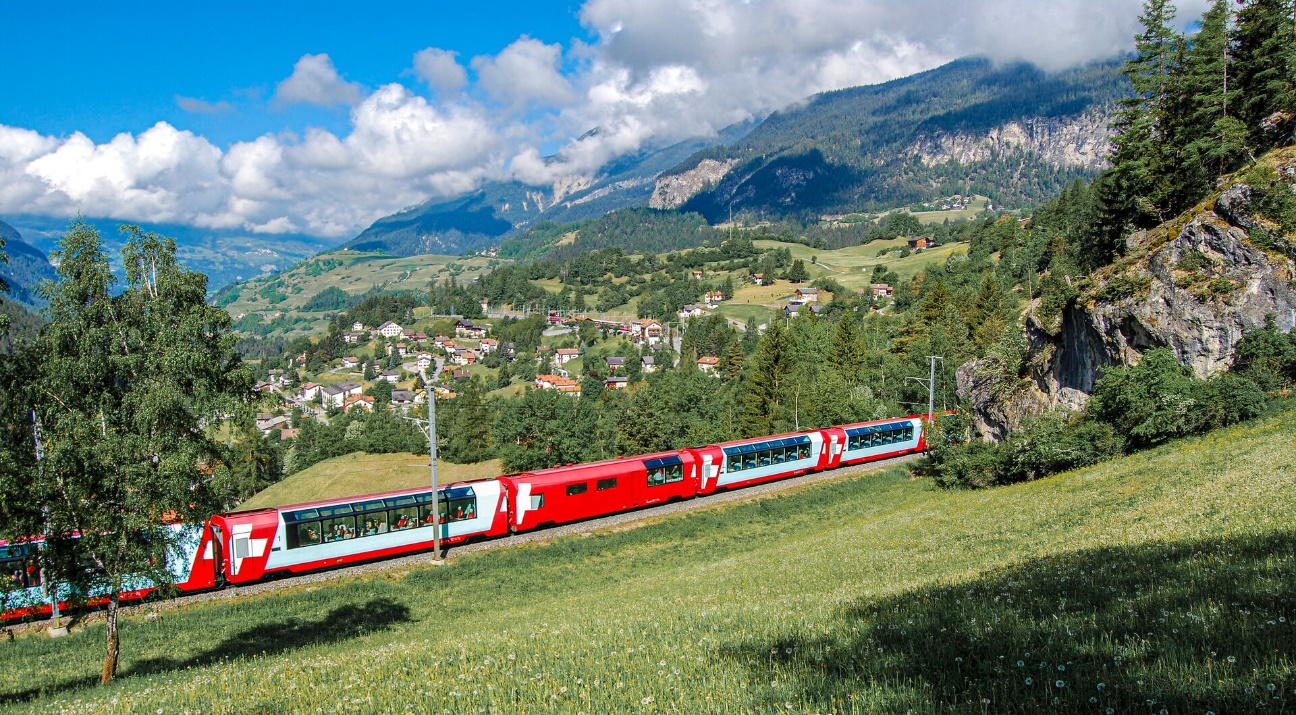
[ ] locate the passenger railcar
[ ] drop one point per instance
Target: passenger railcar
(584, 491)
(192, 565)
(317, 535)
(878, 439)
(730, 465)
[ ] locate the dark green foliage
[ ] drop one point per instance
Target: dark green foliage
(463, 425)
(1159, 399)
(1265, 60)
(331, 298)
(544, 429)
(1273, 201)
(1267, 357)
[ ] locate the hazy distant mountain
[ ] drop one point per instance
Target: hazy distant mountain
(27, 267)
(480, 219)
(225, 256)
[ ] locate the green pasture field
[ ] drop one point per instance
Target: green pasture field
(360, 473)
(1162, 582)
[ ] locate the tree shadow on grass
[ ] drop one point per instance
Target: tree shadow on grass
(340, 624)
(1172, 628)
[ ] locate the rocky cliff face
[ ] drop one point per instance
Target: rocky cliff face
(672, 191)
(1195, 285)
(1075, 142)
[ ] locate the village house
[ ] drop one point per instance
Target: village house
(562, 356)
(919, 242)
(881, 290)
(272, 423)
(444, 393)
(714, 298)
(647, 330)
(464, 328)
(335, 395)
(692, 310)
(707, 363)
(615, 363)
(389, 330)
(807, 295)
(697, 275)
(616, 383)
(358, 327)
(460, 374)
(556, 382)
(488, 346)
(350, 362)
(425, 361)
(350, 338)
(364, 402)
(390, 376)
(758, 279)
(794, 309)
(465, 357)
(648, 364)
(309, 391)
(402, 399)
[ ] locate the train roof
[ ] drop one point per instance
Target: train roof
(356, 498)
(560, 473)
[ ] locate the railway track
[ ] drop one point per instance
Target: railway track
(424, 558)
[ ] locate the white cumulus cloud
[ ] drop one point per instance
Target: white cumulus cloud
(441, 70)
(314, 80)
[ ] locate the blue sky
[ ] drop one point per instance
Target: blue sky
(100, 69)
(278, 118)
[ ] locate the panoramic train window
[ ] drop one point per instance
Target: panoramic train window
(765, 454)
(664, 470)
(606, 484)
(15, 565)
(574, 489)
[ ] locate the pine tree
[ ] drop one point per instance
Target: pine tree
(733, 361)
(762, 400)
(846, 353)
(1217, 138)
(1140, 159)
(1265, 67)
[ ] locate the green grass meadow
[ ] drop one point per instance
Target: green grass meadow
(1158, 583)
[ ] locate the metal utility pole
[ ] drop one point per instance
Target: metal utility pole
(430, 433)
(55, 630)
(931, 389)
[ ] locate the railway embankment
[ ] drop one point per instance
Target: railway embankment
(1163, 578)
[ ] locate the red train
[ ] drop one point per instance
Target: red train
(247, 546)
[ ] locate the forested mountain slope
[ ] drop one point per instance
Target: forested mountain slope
(1014, 133)
(26, 268)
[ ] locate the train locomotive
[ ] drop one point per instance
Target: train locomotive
(245, 547)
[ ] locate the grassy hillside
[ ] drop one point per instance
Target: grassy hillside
(360, 473)
(1161, 581)
(296, 291)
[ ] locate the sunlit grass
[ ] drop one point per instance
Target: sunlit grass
(1160, 582)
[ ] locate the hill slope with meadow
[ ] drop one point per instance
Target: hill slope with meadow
(1156, 581)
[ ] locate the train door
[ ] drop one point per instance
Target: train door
(217, 547)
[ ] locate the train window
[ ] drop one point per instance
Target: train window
(606, 484)
(656, 477)
(537, 501)
(373, 524)
(339, 528)
(403, 518)
(734, 463)
(461, 509)
(574, 489)
(306, 533)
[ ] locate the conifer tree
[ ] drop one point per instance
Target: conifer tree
(846, 352)
(762, 400)
(1265, 67)
(1217, 141)
(1140, 158)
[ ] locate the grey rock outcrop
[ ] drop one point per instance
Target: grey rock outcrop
(1195, 289)
(1075, 142)
(672, 191)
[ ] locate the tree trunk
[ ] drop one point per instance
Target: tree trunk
(114, 641)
